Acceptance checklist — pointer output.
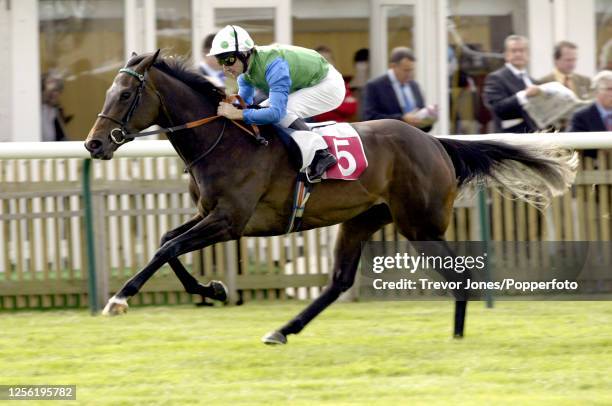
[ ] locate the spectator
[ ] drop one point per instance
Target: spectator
(597, 116)
(399, 82)
(209, 66)
(361, 61)
(53, 120)
(565, 56)
(506, 90)
(348, 108)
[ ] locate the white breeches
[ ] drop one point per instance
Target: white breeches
(325, 96)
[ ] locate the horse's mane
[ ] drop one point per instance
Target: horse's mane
(179, 68)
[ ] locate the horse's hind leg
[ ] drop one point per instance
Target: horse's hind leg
(425, 230)
(347, 252)
(437, 246)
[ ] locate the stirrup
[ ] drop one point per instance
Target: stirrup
(312, 181)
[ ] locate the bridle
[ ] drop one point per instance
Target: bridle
(120, 135)
(142, 79)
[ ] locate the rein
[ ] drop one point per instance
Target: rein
(124, 135)
(208, 151)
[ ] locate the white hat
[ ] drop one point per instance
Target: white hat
(231, 38)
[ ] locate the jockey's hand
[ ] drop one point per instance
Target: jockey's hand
(228, 110)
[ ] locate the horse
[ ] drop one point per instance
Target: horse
(243, 188)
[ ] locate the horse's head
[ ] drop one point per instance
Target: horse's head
(130, 106)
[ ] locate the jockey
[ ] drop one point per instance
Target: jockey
(299, 81)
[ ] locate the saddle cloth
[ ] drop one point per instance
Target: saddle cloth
(343, 142)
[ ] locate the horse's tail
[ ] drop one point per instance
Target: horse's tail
(534, 173)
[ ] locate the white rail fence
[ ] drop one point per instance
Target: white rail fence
(143, 192)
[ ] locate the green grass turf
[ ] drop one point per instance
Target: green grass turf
(386, 353)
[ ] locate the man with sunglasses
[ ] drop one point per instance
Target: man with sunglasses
(299, 81)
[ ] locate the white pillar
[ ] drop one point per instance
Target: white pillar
(378, 43)
(24, 67)
(575, 22)
(202, 24)
(6, 83)
(140, 27)
(540, 33)
(431, 43)
(283, 29)
(150, 25)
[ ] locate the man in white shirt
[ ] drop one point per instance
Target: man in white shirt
(506, 90)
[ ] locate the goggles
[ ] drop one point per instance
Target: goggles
(227, 59)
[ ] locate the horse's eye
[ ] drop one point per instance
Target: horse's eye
(125, 95)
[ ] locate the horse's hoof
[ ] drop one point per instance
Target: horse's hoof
(115, 306)
(204, 303)
(220, 291)
(274, 338)
(458, 336)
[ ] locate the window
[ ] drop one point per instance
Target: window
(81, 44)
(174, 26)
(603, 26)
(476, 33)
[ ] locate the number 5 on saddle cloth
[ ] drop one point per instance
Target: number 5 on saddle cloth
(343, 143)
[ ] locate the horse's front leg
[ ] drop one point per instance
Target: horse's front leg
(215, 290)
(214, 228)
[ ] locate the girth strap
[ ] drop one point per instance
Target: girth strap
(300, 197)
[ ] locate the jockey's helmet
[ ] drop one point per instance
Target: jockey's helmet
(231, 39)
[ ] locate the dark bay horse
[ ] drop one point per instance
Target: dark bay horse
(242, 188)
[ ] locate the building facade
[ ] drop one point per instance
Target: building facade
(87, 41)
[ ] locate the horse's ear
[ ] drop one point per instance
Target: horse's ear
(149, 60)
(156, 55)
(134, 54)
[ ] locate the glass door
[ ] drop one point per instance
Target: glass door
(421, 26)
(173, 26)
(81, 49)
(266, 21)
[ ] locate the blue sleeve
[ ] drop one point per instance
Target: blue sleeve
(279, 81)
(245, 90)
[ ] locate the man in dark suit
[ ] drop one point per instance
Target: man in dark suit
(506, 90)
(597, 116)
(395, 94)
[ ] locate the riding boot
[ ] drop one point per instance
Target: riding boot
(322, 161)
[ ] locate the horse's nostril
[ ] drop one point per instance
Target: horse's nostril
(93, 145)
